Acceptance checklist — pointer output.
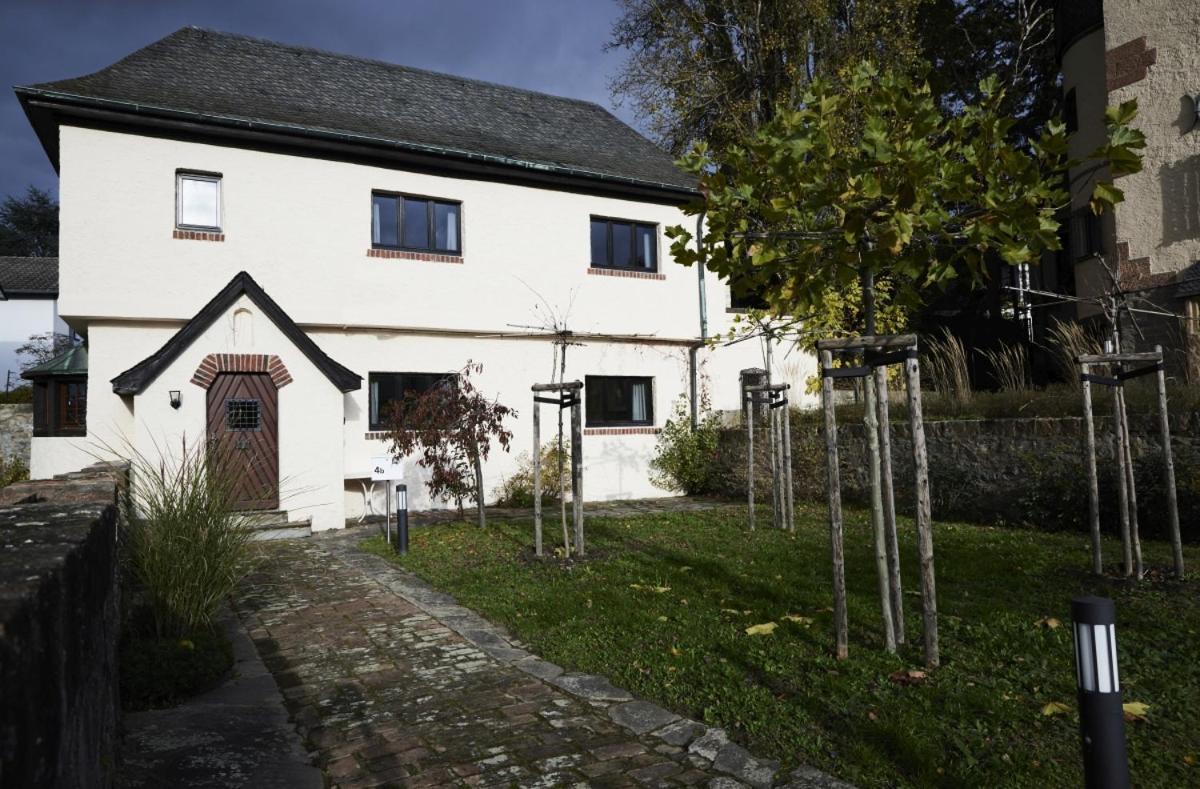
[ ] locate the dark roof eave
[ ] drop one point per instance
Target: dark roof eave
(37, 98)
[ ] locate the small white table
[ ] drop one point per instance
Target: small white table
(365, 479)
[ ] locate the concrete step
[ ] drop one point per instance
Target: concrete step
(274, 525)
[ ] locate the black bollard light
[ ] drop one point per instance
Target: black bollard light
(1101, 719)
(402, 519)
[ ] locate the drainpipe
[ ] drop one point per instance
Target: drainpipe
(693, 363)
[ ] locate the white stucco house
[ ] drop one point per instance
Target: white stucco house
(266, 244)
(28, 306)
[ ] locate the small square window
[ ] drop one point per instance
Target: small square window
(198, 201)
(242, 415)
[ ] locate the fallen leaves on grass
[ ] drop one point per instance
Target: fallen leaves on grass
(1135, 711)
(1048, 622)
(650, 588)
(800, 620)
(765, 629)
(1055, 708)
(908, 676)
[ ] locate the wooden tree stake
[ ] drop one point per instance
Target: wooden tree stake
(577, 475)
(1089, 456)
(537, 479)
(749, 400)
(871, 425)
(889, 502)
(1122, 483)
(790, 517)
(924, 516)
(1134, 533)
(1169, 469)
(840, 620)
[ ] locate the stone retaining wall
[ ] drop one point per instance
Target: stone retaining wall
(1027, 472)
(59, 626)
(16, 431)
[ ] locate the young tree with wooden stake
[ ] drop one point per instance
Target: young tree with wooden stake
(877, 181)
(450, 428)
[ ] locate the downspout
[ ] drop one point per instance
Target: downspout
(693, 363)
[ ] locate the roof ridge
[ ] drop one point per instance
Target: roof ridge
(375, 61)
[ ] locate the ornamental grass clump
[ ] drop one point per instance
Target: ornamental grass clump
(185, 547)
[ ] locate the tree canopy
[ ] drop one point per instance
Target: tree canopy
(29, 225)
(876, 180)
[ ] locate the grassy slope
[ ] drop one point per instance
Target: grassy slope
(976, 721)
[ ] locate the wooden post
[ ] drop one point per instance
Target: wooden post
(777, 457)
(924, 517)
(1134, 534)
(840, 620)
(787, 467)
(577, 474)
(871, 425)
(1164, 422)
(1089, 457)
(1122, 481)
(889, 502)
(748, 397)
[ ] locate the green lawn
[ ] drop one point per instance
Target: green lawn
(662, 604)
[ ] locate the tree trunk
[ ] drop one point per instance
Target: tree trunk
(889, 503)
(479, 504)
(1089, 457)
(840, 619)
(577, 478)
(871, 429)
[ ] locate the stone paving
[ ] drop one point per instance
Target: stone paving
(392, 683)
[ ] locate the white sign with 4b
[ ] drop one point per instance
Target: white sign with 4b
(386, 467)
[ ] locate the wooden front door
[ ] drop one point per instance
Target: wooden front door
(243, 431)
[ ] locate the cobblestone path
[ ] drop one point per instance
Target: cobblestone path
(393, 684)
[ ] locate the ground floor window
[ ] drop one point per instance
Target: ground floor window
(390, 391)
(619, 400)
(60, 407)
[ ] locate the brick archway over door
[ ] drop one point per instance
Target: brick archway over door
(216, 363)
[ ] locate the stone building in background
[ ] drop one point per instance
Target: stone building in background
(1111, 51)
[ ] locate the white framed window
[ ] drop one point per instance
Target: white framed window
(198, 201)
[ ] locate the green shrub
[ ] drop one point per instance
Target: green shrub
(22, 394)
(12, 470)
(185, 549)
(517, 490)
(160, 672)
(685, 459)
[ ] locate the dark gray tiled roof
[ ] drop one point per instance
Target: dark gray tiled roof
(233, 76)
(29, 276)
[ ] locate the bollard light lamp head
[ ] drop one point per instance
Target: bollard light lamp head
(1094, 623)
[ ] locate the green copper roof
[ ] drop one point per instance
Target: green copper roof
(72, 362)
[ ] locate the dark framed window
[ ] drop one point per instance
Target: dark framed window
(60, 407)
(624, 244)
(388, 391)
(1086, 238)
(1071, 111)
(618, 400)
(420, 224)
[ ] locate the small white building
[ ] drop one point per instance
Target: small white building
(266, 244)
(28, 306)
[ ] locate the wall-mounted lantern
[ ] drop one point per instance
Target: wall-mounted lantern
(1101, 718)
(176, 398)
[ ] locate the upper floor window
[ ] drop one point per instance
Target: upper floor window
(617, 243)
(198, 201)
(618, 400)
(390, 393)
(417, 223)
(1086, 234)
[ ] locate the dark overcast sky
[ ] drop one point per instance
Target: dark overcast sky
(556, 46)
